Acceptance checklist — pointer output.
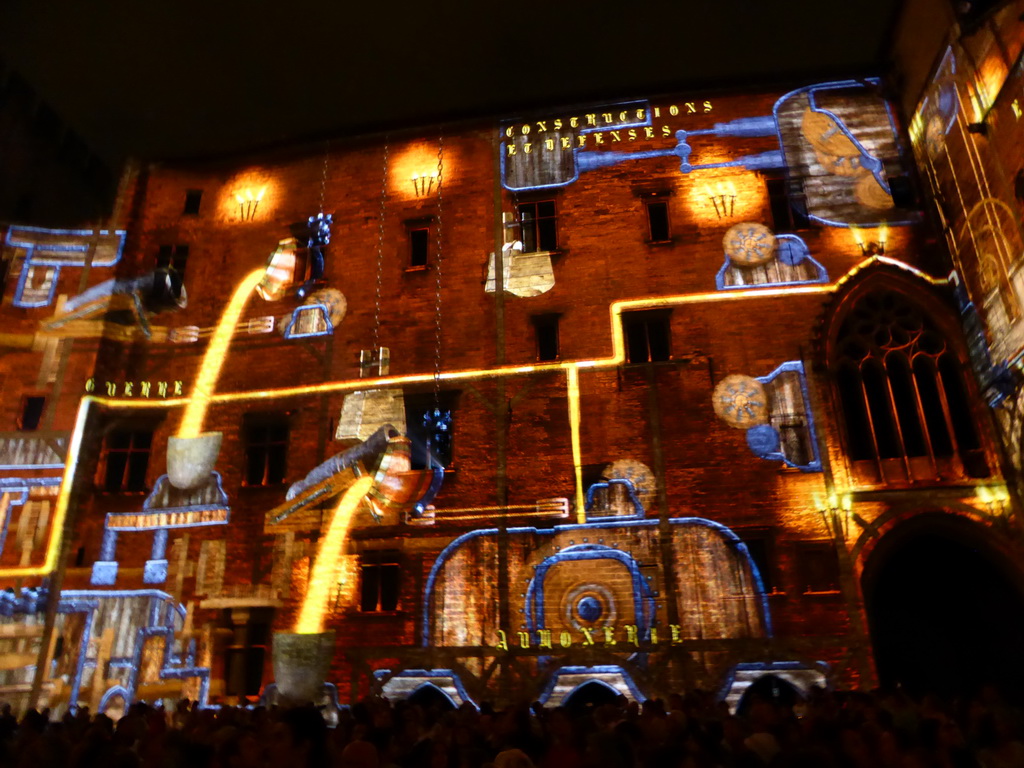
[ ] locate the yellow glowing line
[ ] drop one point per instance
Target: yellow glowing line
(213, 360)
(572, 375)
(53, 542)
(617, 358)
(461, 518)
(572, 383)
(325, 571)
(545, 508)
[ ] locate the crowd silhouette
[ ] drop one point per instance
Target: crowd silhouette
(831, 729)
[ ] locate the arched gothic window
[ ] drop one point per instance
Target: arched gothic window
(903, 394)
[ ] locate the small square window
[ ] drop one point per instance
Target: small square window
(127, 460)
(419, 246)
(538, 226)
(819, 567)
(192, 199)
(266, 449)
(657, 221)
(379, 582)
(545, 328)
(31, 412)
(647, 336)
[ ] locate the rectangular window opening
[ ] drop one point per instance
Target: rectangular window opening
(31, 412)
(266, 450)
(657, 221)
(819, 567)
(379, 583)
(647, 336)
(193, 197)
(244, 658)
(419, 246)
(429, 447)
(546, 330)
(127, 460)
(538, 226)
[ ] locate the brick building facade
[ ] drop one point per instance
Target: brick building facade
(699, 357)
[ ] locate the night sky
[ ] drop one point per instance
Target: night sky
(166, 78)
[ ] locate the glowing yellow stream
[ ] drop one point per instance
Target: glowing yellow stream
(325, 572)
(213, 360)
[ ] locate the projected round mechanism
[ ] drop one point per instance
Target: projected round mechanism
(638, 473)
(335, 302)
(589, 605)
(740, 401)
(871, 194)
(749, 244)
(834, 149)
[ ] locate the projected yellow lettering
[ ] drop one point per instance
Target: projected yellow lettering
(629, 634)
(137, 389)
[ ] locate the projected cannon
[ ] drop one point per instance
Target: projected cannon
(835, 144)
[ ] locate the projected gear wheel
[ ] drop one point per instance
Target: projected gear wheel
(335, 302)
(741, 401)
(638, 474)
(749, 244)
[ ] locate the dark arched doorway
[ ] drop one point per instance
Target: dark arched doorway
(771, 689)
(430, 697)
(946, 610)
(590, 696)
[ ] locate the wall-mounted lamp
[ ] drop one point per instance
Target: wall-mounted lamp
(836, 514)
(723, 197)
(874, 247)
(995, 497)
(248, 201)
(423, 183)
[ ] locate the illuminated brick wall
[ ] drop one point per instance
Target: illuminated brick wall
(651, 423)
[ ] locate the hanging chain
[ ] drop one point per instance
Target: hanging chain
(323, 173)
(380, 247)
(437, 272)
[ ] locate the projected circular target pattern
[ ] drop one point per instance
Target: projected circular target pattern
(590, 606)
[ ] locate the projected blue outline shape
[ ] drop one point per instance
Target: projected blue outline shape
(23, 486)
(588, 160)
(762, 125)
(767, 667)
(790, 241)
(815, 464)
(31, 600)
(730, 537)
(111, 692)
(601, 669)
(644, 607)
(943, 98)
(436, 481)
(35, 436)
(877, 173)
(638, 508)
(173, 665)
(383, 675)
(290, 334)
(104, 570)
(48, 257)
